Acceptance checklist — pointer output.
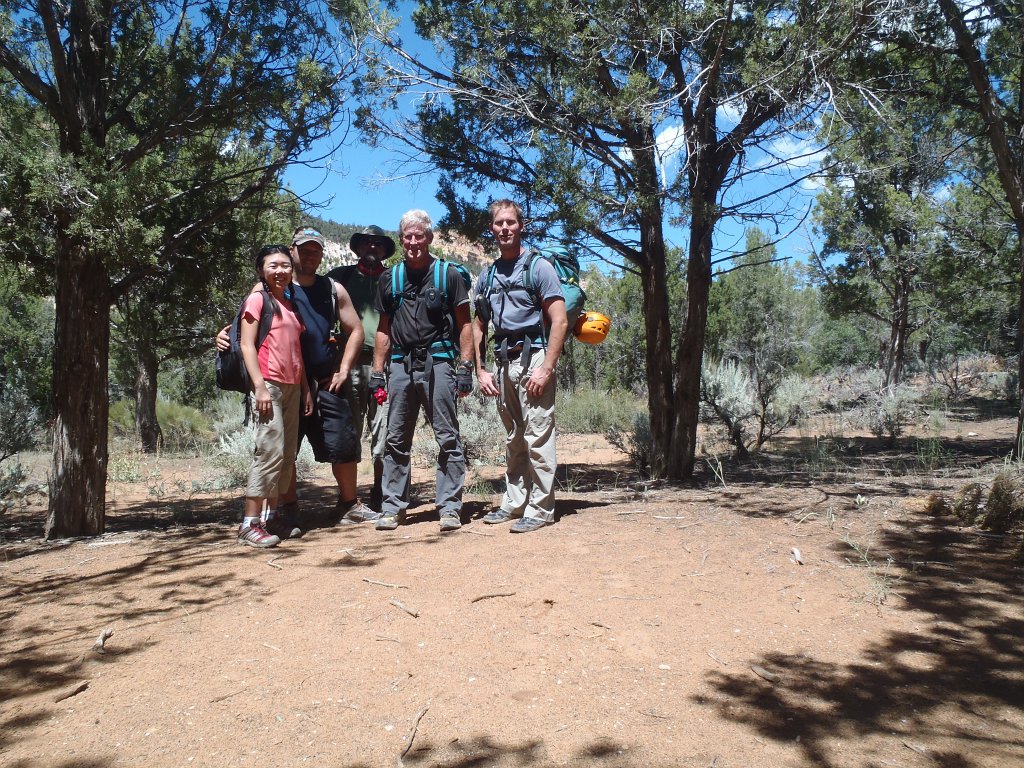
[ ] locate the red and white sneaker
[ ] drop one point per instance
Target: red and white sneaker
(256, 535)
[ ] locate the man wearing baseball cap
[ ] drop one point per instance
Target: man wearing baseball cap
(372, 247)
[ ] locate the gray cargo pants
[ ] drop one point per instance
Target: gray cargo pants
(430, 384)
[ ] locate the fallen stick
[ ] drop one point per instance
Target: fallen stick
(627, 597)
(101, 640)
(713, 656)
(412, 734)
(479, 533)
(490, 595)
(655, 714)
(385, 584)
(272, 564)
(389, 639)
(227, 696)
(410, 611)
(73, 692)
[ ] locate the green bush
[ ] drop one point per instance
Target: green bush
(593, 411)
(184, 428)
(636, 442)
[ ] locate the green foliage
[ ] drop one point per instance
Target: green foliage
(594, 411)
(635, 441)
(891, 410)
(483, 436)
(11, 478)
(758, 324)
(184, 428)
(26, 340)
(21, 423)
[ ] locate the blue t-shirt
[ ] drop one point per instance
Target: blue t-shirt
(512, 307)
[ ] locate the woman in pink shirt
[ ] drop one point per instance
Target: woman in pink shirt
(279, 390)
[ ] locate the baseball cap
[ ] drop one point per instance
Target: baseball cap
(307, 235)
(372, 232)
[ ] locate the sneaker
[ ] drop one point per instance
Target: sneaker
(386, 522)
(255, 535)
(357, 513)
(283, 526)
(496, 516)
(528, 524)
(450, 522)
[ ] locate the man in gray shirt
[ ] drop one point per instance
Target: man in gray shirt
(521, 297)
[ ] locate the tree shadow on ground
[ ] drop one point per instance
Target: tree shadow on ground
(37, 657)
(951, 690)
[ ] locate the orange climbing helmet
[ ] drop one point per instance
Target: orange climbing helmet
(591, 327)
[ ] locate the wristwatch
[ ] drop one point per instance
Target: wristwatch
(467, 364)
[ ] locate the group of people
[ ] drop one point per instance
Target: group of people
(408, 340)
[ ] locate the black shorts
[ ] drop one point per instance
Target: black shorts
(329, 429)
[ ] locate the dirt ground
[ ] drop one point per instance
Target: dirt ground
(651, 626)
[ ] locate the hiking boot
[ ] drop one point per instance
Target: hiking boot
(283, 526)
(386, 522)
(496, 516)
(256, 535)
(356, 513)
(528, 524)
(450, 522)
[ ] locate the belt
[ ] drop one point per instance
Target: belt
(505, 353)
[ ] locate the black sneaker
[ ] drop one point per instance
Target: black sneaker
(283, 526)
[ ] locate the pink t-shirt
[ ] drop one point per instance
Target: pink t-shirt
(280, 355)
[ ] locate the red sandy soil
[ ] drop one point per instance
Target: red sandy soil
(651, 626)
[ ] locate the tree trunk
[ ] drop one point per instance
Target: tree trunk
(146, 367)
(1018, 443)
(690, 356)
(658, 330)
(78, 474)
(896, 353)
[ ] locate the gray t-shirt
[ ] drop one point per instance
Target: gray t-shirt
(512, 307)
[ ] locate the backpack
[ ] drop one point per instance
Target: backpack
(567, 268)
(440, 268)
(232, 375)
(445, 348)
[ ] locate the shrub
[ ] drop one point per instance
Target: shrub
(183, 427)
(483, 435)
(594, 411)
(890, 411)
(11, 478)
(636, 442)
(968, 503)
(20, 423)
(1004, 507)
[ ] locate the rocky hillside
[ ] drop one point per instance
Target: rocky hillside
(453, 247)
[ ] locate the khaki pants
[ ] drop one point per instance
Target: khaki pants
(270, 473)
(530, 441)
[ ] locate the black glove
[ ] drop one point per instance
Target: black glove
(464, 378)
(378, 387)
